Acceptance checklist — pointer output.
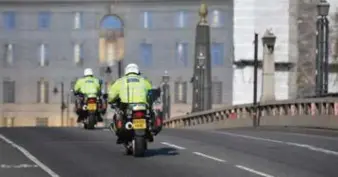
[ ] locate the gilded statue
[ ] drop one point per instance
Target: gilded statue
(203, 13)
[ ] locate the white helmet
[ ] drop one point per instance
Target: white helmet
(131, 68)
(88, 72)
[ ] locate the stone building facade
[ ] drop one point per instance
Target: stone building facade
(48, 42)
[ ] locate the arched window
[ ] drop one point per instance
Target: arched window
(111, 22)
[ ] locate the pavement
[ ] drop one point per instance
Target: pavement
(241, 152)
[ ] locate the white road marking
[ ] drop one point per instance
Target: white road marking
(19, 166)
(173, 145)
(30, 156)
(309, 147)
(209, 157)
(309, 136)
(253, 171)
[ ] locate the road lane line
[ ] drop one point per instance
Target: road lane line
(30, 156)
(173, 145)
(19, 166)
(309, 147)
(253, 171)
(306, 135)
(209, 157)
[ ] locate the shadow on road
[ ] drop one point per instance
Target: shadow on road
(164, 151)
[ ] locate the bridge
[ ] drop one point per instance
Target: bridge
(282, 139)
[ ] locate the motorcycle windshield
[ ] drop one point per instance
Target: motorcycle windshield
(91, 95)
(138, 107)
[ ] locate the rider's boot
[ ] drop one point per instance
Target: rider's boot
(79, 117)
(150, 137)
(119, 140)
(100, 119)
(115, 130)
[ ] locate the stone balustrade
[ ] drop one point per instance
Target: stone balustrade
(312, 112)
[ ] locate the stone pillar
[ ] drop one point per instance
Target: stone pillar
(268, 74)
(202, 68)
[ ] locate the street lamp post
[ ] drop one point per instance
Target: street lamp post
(108, 71)
(119, 68)
(322, 55)
(67, 107)
(166, 95)
(107, 82)
(255, 116)
(62, 106)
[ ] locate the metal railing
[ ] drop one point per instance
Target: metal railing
(310, 112)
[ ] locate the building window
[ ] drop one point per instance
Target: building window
(44, 20)
(147, 20)
(41, 122)
(146, 54)
(217, 54)
(181, 92)
(181, 19)
(217, 92)
(42, 55)
(43, 91)
(8, 92)
(216, 18)
(9, 20)
(78, 54)
(9, 59)
(182, 54)
(78, 20)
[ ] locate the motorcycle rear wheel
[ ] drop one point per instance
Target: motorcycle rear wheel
(139, 146)
(91, 121)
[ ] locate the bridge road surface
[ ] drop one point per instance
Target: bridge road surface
(246, 152)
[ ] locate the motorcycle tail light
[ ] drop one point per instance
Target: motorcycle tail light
(138, 114)
(158, 121)
(119, 124)
(91, 100)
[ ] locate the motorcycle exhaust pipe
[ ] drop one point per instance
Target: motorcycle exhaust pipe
(129, 125)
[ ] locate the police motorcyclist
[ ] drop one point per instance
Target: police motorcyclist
(86, 86)
(131, 88)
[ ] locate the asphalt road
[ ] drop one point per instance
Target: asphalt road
(71, 152)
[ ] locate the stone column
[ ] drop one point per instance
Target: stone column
(268, 74)
(202, 67)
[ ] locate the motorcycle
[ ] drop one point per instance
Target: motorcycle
(134, 129)
(136, 126)
(90, 110)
